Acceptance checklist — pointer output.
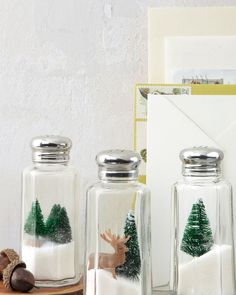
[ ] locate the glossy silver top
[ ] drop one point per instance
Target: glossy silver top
(51, 149)
(201, 161)
(118, 164)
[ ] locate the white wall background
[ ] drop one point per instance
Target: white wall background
(68, 67)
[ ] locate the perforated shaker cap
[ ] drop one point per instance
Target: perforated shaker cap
(51, 149)
(118, 164)
(201, 161)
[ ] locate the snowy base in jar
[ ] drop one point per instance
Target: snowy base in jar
(51, 261)
(209, 274)
(107, 285)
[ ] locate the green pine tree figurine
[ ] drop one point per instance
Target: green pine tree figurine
(197, 238)
(61, 230)
(34, 224)
(52, 219)
(131, 267)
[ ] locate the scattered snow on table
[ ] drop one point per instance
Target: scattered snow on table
(51, 261)
(107, 285)
(209, 274)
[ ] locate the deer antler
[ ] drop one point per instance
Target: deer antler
(113, 239)
(104, 237)
(124, 239)
(110, 238)
(110, 235)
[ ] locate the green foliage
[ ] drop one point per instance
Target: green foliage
(60, 231)
(144, 92)
(143, 154)
(131, 267)
(34, 224)
(197, 238)
(52, 219)
(176, 91)
(57, 228)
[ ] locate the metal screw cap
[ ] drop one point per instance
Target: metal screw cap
(118, 164)
(51, 149)
(200, 161)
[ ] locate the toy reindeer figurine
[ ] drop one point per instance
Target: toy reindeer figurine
(111, 261)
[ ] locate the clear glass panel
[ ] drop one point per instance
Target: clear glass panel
(118, 240)
(203, 248)
(50, 224)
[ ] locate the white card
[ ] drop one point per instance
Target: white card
(202, 53)
(175, 123)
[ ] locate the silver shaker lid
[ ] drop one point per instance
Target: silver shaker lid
(118, 164)
(51, 149)
(201, 161)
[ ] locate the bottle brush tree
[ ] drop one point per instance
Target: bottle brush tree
(197, 238)
(34, 224)
(131, 267)
(51, 222)
(61, 232)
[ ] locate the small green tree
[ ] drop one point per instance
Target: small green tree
(34, 224)
(52, 219)
(197, 238)
(61, 228)
(131, 267)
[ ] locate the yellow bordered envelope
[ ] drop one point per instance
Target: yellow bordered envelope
(174, 123)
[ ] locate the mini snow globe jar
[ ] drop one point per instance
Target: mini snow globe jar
(202, 237)
(50, 221)
(117, 255)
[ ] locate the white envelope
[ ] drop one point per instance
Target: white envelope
(175, 123)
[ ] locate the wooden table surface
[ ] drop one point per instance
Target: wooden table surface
(72, 290)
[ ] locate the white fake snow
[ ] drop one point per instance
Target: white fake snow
(51, 261)
(209, 274)
(107, 285)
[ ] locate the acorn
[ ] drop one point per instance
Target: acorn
(6, 257)
(22, 280)
(17, 278)
(4, 261)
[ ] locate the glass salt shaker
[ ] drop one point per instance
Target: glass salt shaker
(50, 223)
(117, 256)
(202, 219)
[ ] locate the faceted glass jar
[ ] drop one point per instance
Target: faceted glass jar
(50, 224)
(202, 237)
(118, 239)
